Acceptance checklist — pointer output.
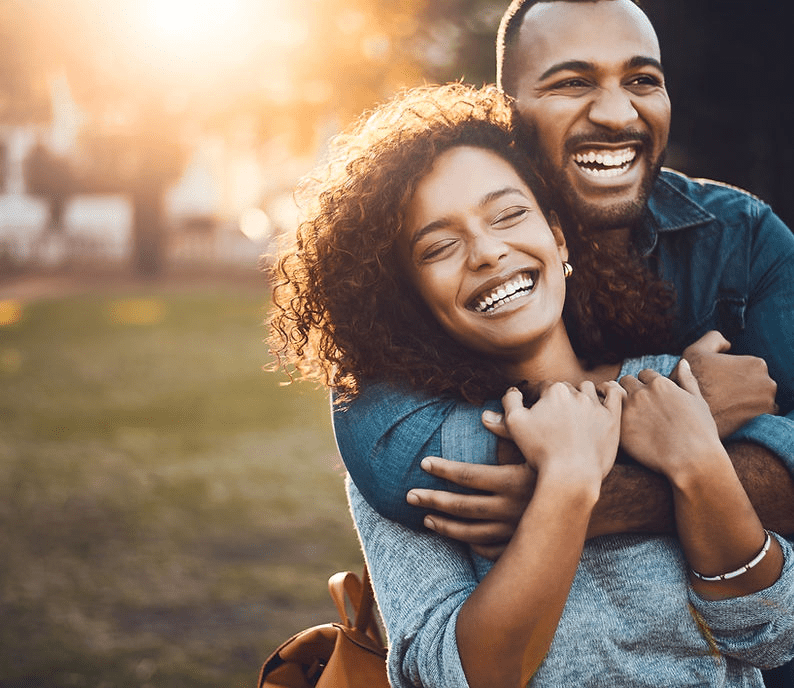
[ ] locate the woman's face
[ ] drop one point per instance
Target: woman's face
(481, 254)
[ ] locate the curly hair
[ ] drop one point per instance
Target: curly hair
(343, 312)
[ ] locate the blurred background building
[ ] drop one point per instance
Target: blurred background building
(144, 135)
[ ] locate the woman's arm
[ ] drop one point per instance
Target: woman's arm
(506, 626)
(669, 429)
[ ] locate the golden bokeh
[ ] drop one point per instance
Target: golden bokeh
(10, 312)
(136, 311)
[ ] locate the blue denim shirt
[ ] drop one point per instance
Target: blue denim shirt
(731, 261)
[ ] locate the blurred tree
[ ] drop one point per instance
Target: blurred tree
(49, 176)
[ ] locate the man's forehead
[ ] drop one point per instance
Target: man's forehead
(589, 32)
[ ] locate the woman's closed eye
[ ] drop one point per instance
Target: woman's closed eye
(438, 249)
(511, 216)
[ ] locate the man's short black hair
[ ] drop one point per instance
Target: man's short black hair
(507, 40)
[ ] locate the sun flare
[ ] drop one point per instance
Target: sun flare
(186, 20)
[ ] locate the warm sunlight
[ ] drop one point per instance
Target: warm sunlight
(207, 43)
(192, 20)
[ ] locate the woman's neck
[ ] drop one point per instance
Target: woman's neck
(555, 361)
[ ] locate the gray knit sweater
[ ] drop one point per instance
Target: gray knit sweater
(631, 618)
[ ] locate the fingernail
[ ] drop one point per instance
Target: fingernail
(492, 416)
(685, 364)
(412, 497)
(426, 464)
(429, 523)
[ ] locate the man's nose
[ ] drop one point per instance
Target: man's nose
(613, 109)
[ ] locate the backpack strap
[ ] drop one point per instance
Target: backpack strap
(345, 585)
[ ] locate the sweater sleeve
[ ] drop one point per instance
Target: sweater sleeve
(421, 581)
(756, 628)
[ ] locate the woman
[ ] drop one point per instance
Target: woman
(427, 260)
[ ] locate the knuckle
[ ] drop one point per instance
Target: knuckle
(465, 474)
(478, 511)
(655, 382)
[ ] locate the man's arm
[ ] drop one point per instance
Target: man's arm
(384, 434)
(765, 479)
(633, 499)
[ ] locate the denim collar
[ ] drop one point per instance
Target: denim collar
(669, 210)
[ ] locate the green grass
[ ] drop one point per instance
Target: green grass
(169, 512)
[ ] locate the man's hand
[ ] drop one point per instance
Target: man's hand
(736, 388)
(486, 521)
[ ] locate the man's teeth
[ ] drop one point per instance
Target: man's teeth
(505, 293)
(609, 163)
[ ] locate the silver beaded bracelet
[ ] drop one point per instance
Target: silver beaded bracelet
(743, 569)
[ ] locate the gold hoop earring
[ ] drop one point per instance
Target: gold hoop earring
(567, 269)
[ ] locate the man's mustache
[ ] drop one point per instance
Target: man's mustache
(628, 136)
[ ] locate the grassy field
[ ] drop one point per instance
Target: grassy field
(169, 512)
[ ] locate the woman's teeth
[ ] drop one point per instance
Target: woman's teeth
(603, 163)
(505, 293)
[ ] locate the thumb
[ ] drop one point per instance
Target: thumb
(711, 342)
(512, 400)
(686, 380)
(495, 422)
(613, 394)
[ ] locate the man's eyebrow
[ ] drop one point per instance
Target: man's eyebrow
(643, 61)
(584, 66)
(568, 65)
(445, 221)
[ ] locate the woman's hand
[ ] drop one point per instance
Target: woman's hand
(568, 430)
(666, 427)
(670, 430)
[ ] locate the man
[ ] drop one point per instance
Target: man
(589, 88)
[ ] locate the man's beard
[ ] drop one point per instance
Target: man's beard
(591, 217)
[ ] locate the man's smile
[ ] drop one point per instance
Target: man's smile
(605, 163)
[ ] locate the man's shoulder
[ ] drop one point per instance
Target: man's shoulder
(679, 202)
(706, 193)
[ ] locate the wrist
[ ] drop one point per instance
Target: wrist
(698, 468)
(581, 488)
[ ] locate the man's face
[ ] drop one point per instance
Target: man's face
(590, 91)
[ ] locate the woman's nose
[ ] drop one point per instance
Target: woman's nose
(486, 251)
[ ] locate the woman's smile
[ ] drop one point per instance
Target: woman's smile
(494, 298)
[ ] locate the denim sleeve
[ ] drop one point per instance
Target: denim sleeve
(421, 581)
(385, 432)
(769, 329)
(756, 628)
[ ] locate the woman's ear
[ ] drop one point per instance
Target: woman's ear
(559, 236)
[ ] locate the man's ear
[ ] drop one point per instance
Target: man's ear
(559, 236)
